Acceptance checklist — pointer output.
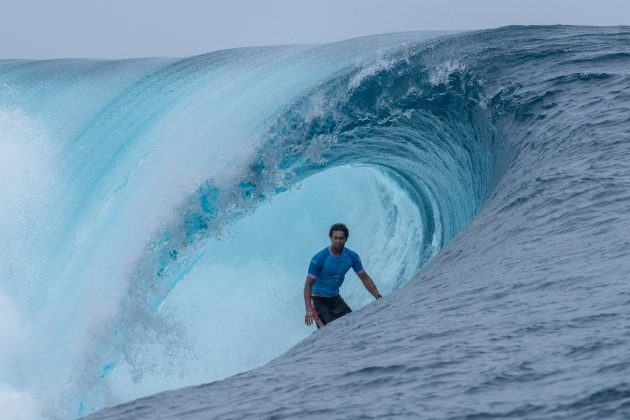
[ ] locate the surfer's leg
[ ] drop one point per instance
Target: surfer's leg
(340, 308)
(322, 311)
(316, 318)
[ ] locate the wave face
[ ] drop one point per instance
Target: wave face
(158, 215)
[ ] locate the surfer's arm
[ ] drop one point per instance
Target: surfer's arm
(308, 286)
(369, 284)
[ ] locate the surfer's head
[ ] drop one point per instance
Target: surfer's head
(338, 235)
(338, 227)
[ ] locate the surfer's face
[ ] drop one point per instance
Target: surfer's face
(338, 240)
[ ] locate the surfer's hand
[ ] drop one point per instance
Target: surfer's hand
(308, 318)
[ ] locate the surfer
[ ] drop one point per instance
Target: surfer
(326, 273)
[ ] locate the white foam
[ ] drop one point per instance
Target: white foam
(441, 73)
(14, 336)
(378, 65)
(14, 332)
(27, 187)
(17, 405)
(27, 183)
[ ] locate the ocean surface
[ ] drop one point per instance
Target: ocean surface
(158, 215)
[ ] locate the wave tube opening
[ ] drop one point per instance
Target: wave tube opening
(241, 304)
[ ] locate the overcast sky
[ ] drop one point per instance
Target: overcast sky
(138, 28)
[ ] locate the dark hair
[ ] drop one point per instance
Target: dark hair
(338, 226)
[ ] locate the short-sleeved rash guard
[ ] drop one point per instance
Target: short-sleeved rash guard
(329, 270)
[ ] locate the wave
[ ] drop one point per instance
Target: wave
(493, 154)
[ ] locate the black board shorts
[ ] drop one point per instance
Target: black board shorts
(327, 309)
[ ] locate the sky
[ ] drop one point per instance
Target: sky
(141, 28)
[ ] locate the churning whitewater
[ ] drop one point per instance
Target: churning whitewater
(158, 216)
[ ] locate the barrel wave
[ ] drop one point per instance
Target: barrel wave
(158, 216)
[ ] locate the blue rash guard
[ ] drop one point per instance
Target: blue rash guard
(329, 270)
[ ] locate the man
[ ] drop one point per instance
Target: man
(326, 274)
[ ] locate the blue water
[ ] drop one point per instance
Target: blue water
(158, 216)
